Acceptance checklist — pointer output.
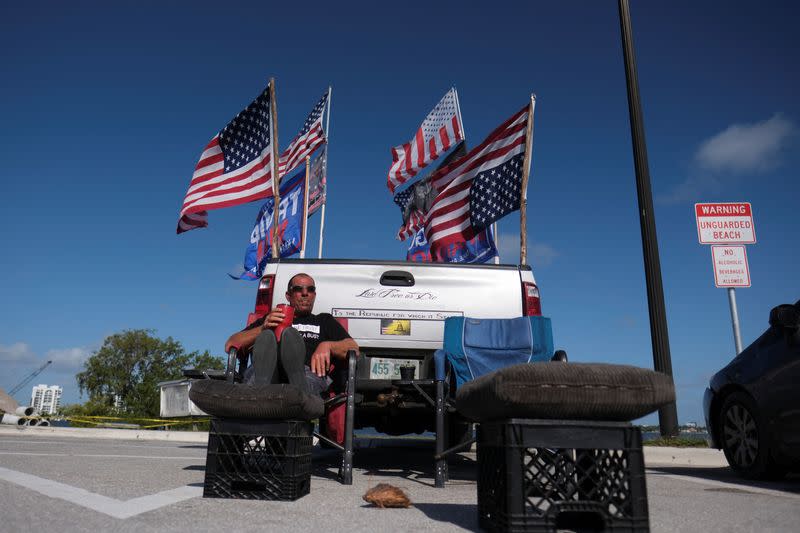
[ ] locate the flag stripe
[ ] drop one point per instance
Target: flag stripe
(445, 139)
(213, 163)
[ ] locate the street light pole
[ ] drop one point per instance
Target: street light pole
(659, 336)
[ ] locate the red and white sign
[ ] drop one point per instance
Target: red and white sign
(725, 223)
(730, 266)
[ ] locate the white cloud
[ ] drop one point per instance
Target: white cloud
(746, 147)
(17, 352)
(543, 254)
(69, 357)
(539, 254)
(737, 150)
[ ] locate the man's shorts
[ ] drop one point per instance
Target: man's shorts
(317, 385)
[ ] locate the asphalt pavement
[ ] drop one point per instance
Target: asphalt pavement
(64, 479)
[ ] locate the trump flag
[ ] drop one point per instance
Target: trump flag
(290, 228)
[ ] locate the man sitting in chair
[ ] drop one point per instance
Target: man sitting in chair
(305, 351)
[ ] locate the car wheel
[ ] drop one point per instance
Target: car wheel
(743, 437)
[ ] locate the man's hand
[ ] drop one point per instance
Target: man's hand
(321, 359)
(244, 339)
(230, 344)
(274, 318)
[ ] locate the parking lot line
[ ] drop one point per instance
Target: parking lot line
(97, 502)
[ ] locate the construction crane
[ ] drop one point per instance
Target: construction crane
(27, 380)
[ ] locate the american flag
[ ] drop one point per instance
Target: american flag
(309, 138)
(234, 168)
(481, 187)
(440, 130)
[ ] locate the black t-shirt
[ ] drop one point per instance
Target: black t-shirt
(314, 329)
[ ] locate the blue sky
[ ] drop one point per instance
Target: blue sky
(105, 108)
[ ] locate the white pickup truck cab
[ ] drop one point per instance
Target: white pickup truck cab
(395, 311)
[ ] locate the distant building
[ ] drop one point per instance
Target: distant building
(46, 399)
(119, 404)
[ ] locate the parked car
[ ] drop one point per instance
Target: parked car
(752, 406)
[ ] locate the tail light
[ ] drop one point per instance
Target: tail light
(531, 304)
(264, 296)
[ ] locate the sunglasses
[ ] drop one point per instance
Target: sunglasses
(299, 288)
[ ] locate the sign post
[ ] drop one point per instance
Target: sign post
(731, 270)
(723, 225)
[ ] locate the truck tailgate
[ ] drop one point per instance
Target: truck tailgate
(412, 316)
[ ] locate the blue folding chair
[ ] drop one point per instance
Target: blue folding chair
(473, 347)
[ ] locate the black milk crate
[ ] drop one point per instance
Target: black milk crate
(258, 460)
(544, 475)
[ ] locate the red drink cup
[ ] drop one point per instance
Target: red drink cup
(288, 318)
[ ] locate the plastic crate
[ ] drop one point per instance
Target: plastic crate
(548, 475)
(258, 460)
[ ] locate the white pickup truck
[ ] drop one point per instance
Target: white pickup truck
(395, 311)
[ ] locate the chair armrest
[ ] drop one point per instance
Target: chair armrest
(352, 364)
(210, 373)
(193, 373)
(230, 370)
(440, 361)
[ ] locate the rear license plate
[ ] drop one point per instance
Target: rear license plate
(382, 368)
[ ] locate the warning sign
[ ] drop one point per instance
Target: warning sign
(725, 223)
(730, 266)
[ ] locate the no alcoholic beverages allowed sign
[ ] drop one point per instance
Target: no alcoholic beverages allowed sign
(730, 266)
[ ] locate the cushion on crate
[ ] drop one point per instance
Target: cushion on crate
(236, 400)
(566, 391)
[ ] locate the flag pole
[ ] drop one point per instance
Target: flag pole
(496, 243)
(458, 110)
(273, 111)
(321, 230)
(305, 210)
(523, 201)
(327, 140)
